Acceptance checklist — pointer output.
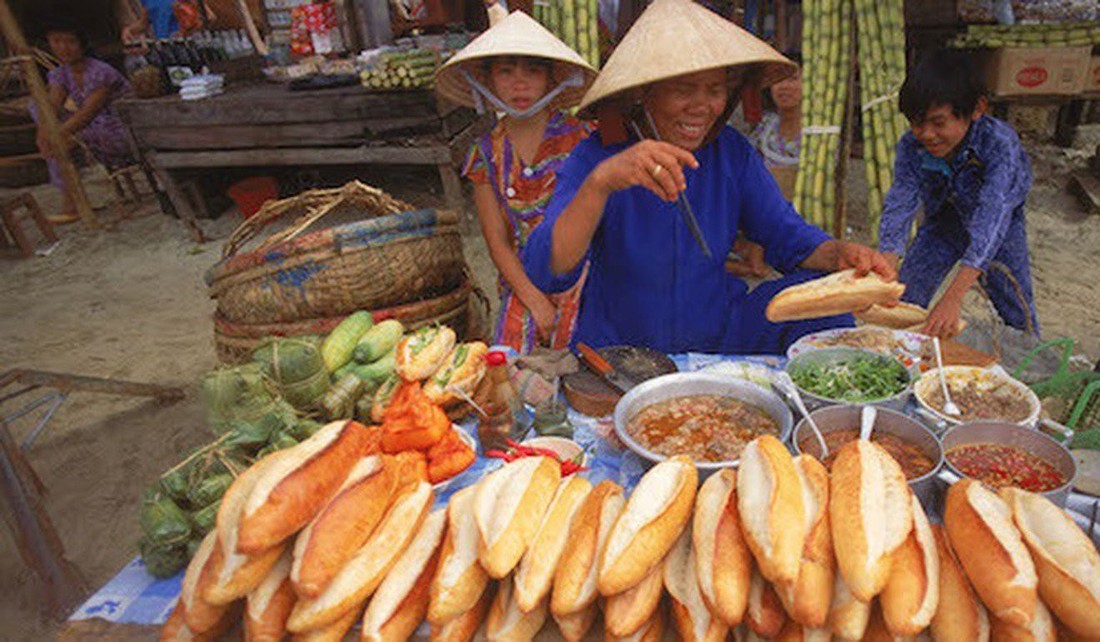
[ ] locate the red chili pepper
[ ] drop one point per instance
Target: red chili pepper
(499, 454)
(512, 443)
(546, 452)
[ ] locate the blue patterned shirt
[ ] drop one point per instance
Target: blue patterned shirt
(987, 181)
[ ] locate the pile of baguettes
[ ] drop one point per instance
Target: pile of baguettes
(778, 549)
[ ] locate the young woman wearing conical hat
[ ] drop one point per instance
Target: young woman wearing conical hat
(615, 205)
(519, 69)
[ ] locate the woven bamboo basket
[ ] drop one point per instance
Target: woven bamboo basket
(398, 255)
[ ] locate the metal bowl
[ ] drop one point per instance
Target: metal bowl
(1022, 437)
(886, 421)
(930, 381)
(829, 356)
(693, 383)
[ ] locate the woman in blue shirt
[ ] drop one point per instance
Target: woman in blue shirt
(615, 205)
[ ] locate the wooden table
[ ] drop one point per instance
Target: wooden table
(266, 124)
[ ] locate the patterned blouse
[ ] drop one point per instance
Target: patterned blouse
(777, 150)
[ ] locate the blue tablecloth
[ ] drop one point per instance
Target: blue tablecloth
(135, 597)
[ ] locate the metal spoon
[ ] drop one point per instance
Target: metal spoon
(791, 391)
(867, 422)
(949, 407)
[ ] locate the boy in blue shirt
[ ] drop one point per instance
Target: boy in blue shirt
(970, 174)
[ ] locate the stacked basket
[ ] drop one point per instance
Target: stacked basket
(395, 261)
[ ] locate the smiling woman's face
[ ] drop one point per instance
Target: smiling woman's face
(685, 108)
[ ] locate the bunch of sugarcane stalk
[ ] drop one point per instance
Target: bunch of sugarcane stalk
(826, 44)
(575, 22)
(1064, 34)
(401, 70)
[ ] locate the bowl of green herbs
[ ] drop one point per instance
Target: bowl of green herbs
(833, 376)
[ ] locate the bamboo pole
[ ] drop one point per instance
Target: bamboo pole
(47, 118)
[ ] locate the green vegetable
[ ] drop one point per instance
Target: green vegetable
(205, 518)
(283, 440)
(380, 340)
(375, 373)
(862, 378)
(382, 397)
(193, 545)
(339, 401)
(163, 561)
(340, 343)
(162, 521)
(1088, 439)
(176, 482)
(304, 429)
(243, 393)
(210, 490)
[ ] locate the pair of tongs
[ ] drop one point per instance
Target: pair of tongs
(681, 199)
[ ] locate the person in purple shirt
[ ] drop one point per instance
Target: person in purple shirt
(970, 175)
(615, 203)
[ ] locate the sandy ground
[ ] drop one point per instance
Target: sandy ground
(131, 304)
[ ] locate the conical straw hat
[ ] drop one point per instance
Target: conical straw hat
(677, 37)
(516, 35)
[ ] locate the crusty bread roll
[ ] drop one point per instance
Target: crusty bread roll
(460, 580)
(269, 604)
(877, 631)
(175, 629)
(536, 570)
(870, 514)
(838, 293)
(508, 508)
(991, 550)
(575, 578)
(574, 626)
(807, 601)
(462, 370)
(1041, 629)
(421, 353)
(295, 487)
(624, 614)
(912, 592)
(331, 632)
(658, 509)
(723, 560)
(795, 632)
(765, 615)
(509, 624)
(651, 631)
(959, 615)
(463, 627)
(200, 614)
(401, 601)
(1066, 561)
(901, 316)
(343, 525)
(848, 616)
(769, 498)
(690, 616)
(364, 571)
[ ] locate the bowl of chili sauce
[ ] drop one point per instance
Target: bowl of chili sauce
(1001, 454)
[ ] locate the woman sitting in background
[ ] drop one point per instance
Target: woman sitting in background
(778, 135)
(92, 85)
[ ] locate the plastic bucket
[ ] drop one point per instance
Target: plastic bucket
(251, 193)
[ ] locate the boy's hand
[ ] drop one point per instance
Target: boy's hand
(943, 319)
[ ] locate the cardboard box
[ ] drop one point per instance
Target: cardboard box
(1037, 71)
(1092, 79)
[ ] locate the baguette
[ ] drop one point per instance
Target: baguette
(332, 632)
(807, 601)
(765, 615)
(364, 571)
(960, 616)
(651, 631)
(991, 550)
(625, 613)
(769, 497)
(460, 580)
(421, 353)
(848, 616)
(269, 604)
(294, 488)
(653, 519)
(508, 507)
(200, 614)
(723, 560)
(901, 316)
(175, 629)
(239, 573)
(343, 525)
(912, 592)
(536, 570)
(1067, 563)
(837, 293)
(574, 626)
(463, 627)
(575, 578)
(1041, 629)
(870, 514)
(690, 616)
(877, 631)
(462, 371)
(401, 601)
(795, 632)
(509, 624)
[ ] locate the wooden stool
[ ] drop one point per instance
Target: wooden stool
(13, 222)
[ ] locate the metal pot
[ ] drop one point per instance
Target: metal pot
(1007, 434)
(888, 421)
(827, 356)
(693, 383)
